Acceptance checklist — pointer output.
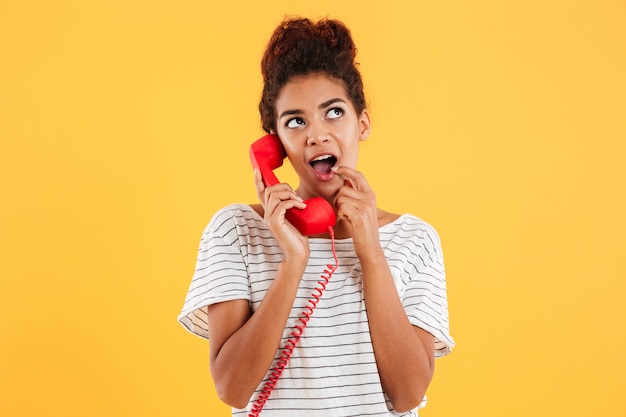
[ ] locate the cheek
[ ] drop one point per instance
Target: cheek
(351, 154)
(350, 157)
(289, 139)
(351, 162)
(292, 152)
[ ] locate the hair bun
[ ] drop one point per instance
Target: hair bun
(298, 39)
(300, 47)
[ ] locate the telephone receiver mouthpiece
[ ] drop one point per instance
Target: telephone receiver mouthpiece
(315, 218)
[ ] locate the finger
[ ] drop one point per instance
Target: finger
(347, 211)
(285, 205)
(259, 185)
(282, 192)
(346, 199)
(276, 195)
(276, 218)
(352, 191)
(355, 178)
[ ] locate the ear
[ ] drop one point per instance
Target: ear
(365, 125)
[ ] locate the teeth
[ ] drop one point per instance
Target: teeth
(321, 158)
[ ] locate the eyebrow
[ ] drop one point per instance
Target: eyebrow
(331, 102)
(321, 106)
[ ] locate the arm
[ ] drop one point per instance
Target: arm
(243, 345)
(404, 353)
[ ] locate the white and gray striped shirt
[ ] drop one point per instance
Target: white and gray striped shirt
(332, 371)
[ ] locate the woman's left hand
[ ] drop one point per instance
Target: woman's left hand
(356, 204)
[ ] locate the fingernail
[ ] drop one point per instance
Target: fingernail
(334, 169)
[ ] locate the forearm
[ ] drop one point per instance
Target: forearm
(405, 365)
(244, 358)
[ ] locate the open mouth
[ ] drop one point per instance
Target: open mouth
(323, 163)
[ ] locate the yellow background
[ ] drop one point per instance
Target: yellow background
(125, 124)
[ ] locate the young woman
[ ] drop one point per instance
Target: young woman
(369, 347)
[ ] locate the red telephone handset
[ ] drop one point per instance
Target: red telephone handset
(267, 154)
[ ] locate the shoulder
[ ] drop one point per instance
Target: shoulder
(385, 217)
(258, 208)
(411, 227)
(238, 210)
(407, 222)
(234, 215)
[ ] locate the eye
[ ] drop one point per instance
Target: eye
(334, 113)
(295, 122)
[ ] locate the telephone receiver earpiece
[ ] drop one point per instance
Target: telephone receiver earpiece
(267, 154)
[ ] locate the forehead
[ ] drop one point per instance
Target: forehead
(310, 91)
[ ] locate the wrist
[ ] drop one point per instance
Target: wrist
(293, 266)
(372, 254)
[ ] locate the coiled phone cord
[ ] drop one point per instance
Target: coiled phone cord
(292, 342)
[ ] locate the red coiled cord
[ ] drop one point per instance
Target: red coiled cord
(292, 342)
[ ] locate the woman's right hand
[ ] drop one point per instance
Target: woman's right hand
(276, 200)
(243, 344)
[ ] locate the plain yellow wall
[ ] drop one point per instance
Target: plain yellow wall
(125, 124)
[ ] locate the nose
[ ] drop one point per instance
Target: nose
(317, 134)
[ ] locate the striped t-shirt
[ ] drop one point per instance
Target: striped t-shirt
(332, 371)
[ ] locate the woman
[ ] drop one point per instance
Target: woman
(369, 347)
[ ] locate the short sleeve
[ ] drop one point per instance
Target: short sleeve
(425, 299)
(220, 274)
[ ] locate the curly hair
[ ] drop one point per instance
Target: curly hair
(300, 47)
